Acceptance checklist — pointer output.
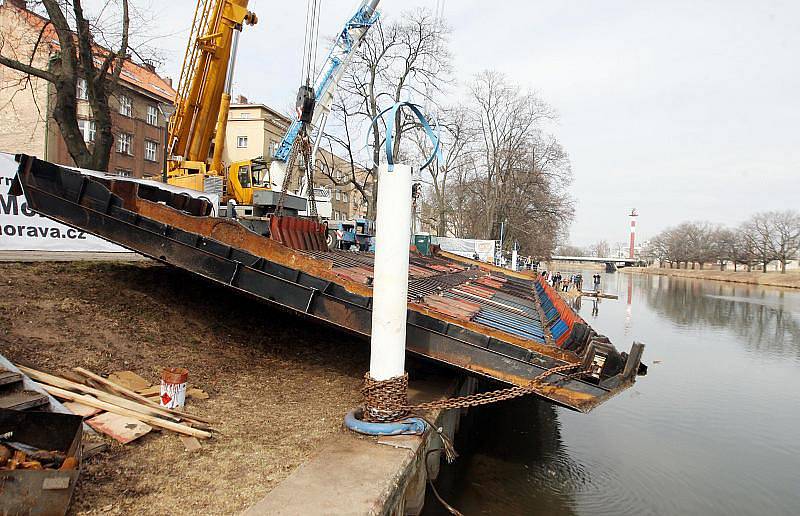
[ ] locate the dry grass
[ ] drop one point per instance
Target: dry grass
(278, 384)
(790, 279)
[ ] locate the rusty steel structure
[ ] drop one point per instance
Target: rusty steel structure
(506, 326)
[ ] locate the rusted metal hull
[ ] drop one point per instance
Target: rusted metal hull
(477, 318)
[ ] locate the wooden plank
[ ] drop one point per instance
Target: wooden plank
(129, 379)
(100, 395)
(153, 390)
(81, 410)
(136, 396)
(123, 429)
(117, 388)
(190, 443)
(23, 400)
(155, 421)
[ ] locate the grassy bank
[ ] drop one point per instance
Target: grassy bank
(790, 279)
(279, 385)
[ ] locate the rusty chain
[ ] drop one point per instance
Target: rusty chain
(386, 400)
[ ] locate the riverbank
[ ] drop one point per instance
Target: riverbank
(280, 386)
(790, 279)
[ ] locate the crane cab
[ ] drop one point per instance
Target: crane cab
(244, 178)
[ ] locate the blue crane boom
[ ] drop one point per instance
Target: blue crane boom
(339, 58)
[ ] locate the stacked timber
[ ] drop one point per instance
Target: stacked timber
(128, 414)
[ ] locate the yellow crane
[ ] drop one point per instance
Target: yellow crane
(204, 95)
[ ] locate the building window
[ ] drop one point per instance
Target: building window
(124, 143)
(273, 148)
(150, 150)
(152, 115)
(125, 105)
(88, 129)
(82, 92)
(338, 195)
(241, 142)
(345, 197)
(123, 172)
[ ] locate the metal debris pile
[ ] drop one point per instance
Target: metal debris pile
(18, 455)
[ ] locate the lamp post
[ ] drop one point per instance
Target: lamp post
(166, 111)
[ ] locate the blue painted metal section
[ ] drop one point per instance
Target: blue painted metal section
(410, 426)
(516, 315)
(361, 19)
(509, 320)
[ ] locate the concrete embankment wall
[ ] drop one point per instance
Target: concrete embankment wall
(790, 279)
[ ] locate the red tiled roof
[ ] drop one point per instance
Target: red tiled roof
(132, 73)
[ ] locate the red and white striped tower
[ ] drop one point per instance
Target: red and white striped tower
(633, 216)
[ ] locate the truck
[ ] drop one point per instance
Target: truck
(351, 235)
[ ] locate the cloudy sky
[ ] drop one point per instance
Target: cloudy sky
(682, 109)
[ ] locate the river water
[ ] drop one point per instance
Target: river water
(714, 428)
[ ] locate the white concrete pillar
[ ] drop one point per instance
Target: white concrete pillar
(514, 257)
(390, 285)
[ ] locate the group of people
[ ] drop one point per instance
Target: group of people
(564, 283)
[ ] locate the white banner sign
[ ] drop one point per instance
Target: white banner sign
(23, 230)
(467, 247)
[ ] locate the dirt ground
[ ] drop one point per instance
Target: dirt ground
(279, 384)
(789, 279)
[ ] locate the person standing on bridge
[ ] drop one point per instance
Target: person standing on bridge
(579, 281)
(596, 282)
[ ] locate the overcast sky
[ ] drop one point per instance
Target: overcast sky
(682, 109)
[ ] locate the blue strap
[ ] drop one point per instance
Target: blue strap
(434, 138)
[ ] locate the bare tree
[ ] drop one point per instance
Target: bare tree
(570, 250)
(340, 143)
(520, 174)
(730, 248)
(601, 249)
(763, 238)
(457, 143)
(785, 241)
(77, 57)
(401, 59)
(758, 233)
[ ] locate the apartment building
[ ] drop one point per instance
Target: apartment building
(138, 105)
(256, 130)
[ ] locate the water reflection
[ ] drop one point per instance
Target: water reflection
(521, 464)
(712, 429)
(758, 316)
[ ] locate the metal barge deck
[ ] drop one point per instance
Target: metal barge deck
(472, 316)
